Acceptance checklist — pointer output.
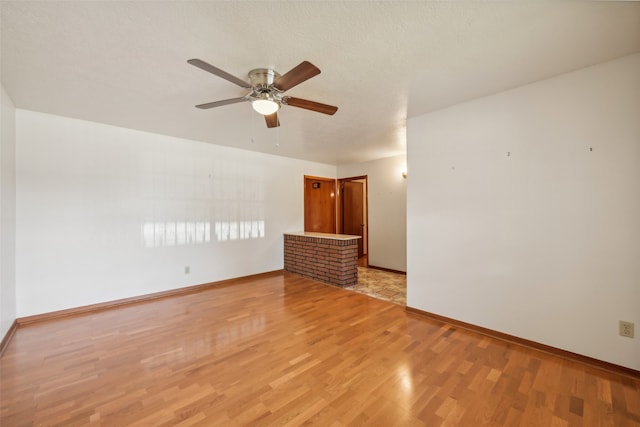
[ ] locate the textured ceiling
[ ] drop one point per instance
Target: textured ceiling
(124, 63)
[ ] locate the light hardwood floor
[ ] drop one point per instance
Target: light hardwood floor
(285, 350)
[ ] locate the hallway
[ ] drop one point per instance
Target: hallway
(381, 284)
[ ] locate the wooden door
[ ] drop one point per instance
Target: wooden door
(319, 204)
(353, 211)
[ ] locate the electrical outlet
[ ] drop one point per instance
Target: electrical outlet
(187, 269)
(626, 329)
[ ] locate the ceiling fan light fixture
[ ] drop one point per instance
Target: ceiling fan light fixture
(265, 106)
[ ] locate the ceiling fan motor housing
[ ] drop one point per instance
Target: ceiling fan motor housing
(262, 78)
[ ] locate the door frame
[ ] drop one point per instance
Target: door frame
(340, 208)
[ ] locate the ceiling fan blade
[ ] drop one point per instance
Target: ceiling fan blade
(218, 72)
(272, 120)
(310, 105)
(220, 103)
(300, 73)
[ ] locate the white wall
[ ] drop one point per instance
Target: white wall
(7, 212)
(105, 213)
(387, 209)
(543, 244)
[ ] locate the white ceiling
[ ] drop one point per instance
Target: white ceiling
(124, 63)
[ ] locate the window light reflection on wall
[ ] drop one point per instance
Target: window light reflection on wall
(239, 230)
(223, 199)
(175, 233)
(159, 234)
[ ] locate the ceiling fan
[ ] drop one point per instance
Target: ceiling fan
(267, 89)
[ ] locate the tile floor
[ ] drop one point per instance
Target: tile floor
(382, 285)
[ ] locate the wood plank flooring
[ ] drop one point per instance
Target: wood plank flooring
(286, 351)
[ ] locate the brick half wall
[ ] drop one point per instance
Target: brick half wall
(327, 260)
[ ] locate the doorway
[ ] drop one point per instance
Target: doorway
(338, 206)
(353, 211)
